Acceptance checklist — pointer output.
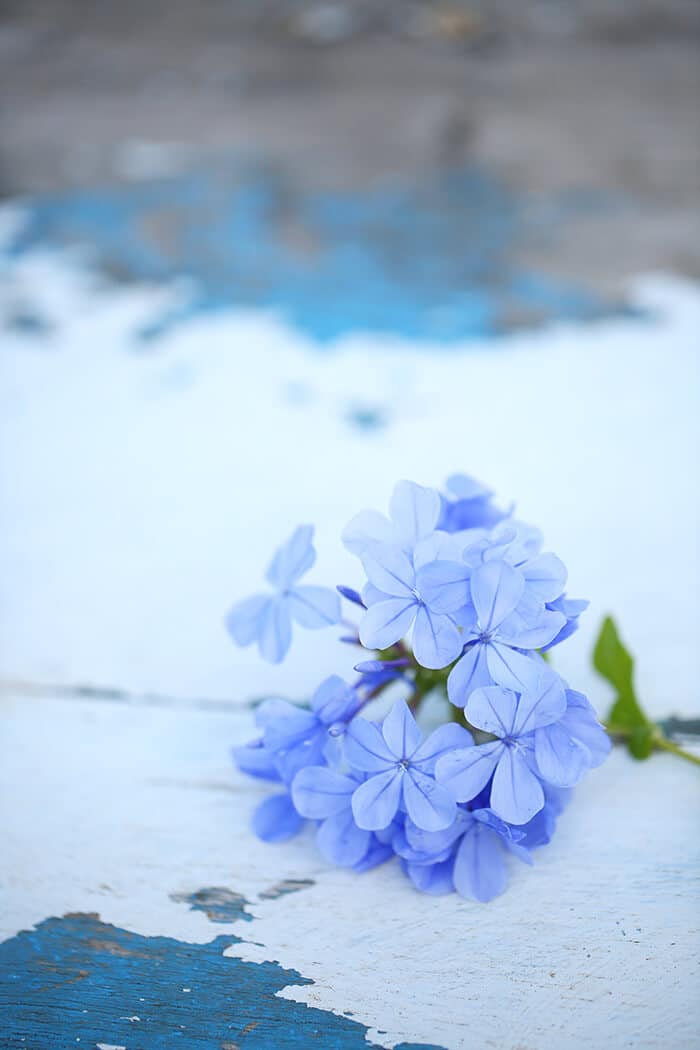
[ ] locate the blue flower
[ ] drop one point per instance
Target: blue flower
(325, 795)
(401, 770)
(413, 515)
(267, 619)
(573, 744)
(276, 819)
(500, 618)
(295, 737)
(255, 760)
(468, 506)
(396, 605)
(377, 673)
(516, 790)
(468, 857)
(571, 608)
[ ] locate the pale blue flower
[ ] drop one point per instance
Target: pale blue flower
(325, 795)
(571, 608)
(503, 623)
(396, 605)
(413, 515)
(468, 505)
(469, 856)
(401, 770)
(267, 618)
(276, 819)
(575, 743)
(296, 736)
(516, 789)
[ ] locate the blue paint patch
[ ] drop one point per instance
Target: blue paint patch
(218, 903)
(77, 981)
(431, 261)
(282, 889)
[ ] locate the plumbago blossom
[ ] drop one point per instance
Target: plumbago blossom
(458, 598)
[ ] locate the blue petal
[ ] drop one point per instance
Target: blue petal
(351, 594)
(255, 760)
(581, 722)
(390, 570)
(310, 752)
(365, 747)
(541, 706)
(400, 732)
(290, 725)
(436, 640)
(367, 528)
(436, 845)
(334, 700)
(468, 674)
(292, 559)
(435, 879)
(496, 589)
(535, 634)
(375, 802)
(314, 607)
(371, 595)
(561, 760)
(462, 486)
(479, 869)
(438, 546)
(429, 805)
(444, 585)
(275, 631)
(341, 841)
(414, 510)
(446, 738)
(545, 576)
(319, 792)
(276, 819)
(466, 772)
(492, 708)
(514, 670)
(516, 793)
(243, 620)
(386, 622)
(378, 853)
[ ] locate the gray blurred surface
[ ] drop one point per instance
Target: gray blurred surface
(550, 97)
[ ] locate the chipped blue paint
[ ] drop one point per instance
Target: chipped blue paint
(282, 889)
(430, 261)
(79, 982)
(218, 903)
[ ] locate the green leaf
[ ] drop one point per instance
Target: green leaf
(642, 741)
(613, 662)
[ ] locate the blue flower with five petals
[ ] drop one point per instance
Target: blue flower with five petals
(401, 770)
(267, 619)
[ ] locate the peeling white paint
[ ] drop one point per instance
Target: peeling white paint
(546, 964)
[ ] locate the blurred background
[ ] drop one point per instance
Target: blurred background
(258, 261)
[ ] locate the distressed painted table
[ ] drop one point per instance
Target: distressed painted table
(144, 485)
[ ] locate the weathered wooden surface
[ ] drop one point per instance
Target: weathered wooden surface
(129, 875)
(126, 851)
(154, 448)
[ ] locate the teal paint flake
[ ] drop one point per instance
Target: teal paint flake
(434, 260)
(78, 982)
(218, 903)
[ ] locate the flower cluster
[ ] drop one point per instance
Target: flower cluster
(481, 603)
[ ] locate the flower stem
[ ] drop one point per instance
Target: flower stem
(665, 744)
(659, 740)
